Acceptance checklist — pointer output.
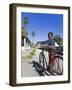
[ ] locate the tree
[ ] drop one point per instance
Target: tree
(33, 35)
(24, 28)
(24, 33)
(25, 21)
(58, 40)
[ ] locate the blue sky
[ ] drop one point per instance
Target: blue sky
(42, 24)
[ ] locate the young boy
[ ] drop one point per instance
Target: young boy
(50, 44)
(51, 47)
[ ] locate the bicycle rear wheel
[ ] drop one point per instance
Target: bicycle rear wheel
(57, 65)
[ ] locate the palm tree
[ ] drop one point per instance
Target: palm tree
(58, 40)
(33, 35)
(24, 28)
(25, 21)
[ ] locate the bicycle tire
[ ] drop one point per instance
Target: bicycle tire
(57, 65)
(42, 62)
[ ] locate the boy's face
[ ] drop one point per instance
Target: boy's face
(50, 36)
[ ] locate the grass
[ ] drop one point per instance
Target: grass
(31, 54)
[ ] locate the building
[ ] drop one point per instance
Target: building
(25, 42)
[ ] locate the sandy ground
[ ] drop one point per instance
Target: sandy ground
(27, 69)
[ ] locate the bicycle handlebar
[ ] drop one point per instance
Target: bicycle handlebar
(57, 50)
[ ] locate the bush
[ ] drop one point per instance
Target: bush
(31, 54)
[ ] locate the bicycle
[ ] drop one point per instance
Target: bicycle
(56, 64)
(42, 61)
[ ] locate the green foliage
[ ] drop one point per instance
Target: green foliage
(31, 54)
(33, 34)
(24, 33)
(33, 51)
(25, 21)
(58, 40)
(24, 29)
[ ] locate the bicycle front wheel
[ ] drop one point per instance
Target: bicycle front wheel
(42, 61)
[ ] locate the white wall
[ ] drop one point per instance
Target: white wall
(4, 45)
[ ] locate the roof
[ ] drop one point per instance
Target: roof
(27, 39)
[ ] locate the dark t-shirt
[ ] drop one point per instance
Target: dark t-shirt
(51, 42)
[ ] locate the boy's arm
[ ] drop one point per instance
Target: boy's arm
(52, 47)
(48, 46)
(44, 46)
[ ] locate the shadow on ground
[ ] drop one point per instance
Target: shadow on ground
(40, 70)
